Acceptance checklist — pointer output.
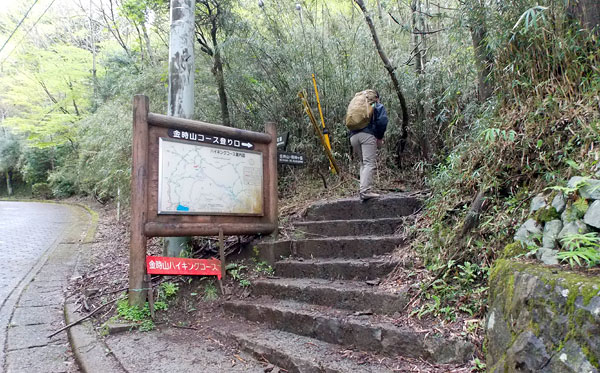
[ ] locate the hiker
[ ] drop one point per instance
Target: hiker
(365, 141)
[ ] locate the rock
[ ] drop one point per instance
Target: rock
(592, 216)
(542, 309)
(551, 231)
(117, 327)
(497, 330)
(537, 203)
(374, 282)
(528, 232)
(575, 227)
(527, 354)
(559, 202)
(269, 368)
(549, 257)
(90, 291)
(571, 359)
(590, 188)
(569, 215)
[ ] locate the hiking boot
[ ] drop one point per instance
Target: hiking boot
(368, 195)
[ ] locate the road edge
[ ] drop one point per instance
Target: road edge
(89, 351)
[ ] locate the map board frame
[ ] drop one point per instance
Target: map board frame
(162, 210)
(146, 222)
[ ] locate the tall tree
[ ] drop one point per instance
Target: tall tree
(587, 12)
(10, 150)
(210, 22)
(484, 58)
(181, 81)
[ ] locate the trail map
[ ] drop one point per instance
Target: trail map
(200, 179)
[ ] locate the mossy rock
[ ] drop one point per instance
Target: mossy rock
(581, 206)
(546, 215)
(560, 308)
(514, 249)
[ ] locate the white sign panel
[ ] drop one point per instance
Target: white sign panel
(199, 179)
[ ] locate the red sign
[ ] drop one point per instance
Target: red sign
(161, 265)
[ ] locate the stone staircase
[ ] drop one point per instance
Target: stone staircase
(324, 299)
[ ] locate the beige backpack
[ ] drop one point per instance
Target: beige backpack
(360, 110)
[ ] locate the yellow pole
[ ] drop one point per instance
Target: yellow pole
(325, 133)
(309, 112)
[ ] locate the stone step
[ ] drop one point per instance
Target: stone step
(387, 206)
(331, 247)
(351, 295)
(365, 333)
(336, 228)
(292, 352)
(335, 269)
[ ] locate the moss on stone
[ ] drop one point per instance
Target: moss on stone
(581, 290)
(546, 215)
(535, 328)
(590, 356)
(581, 206)
(514, 249)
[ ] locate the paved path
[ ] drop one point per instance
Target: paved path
(38, 251)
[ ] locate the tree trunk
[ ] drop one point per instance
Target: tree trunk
(483, 57)
(484, 61)
(8, 183)
(181, 82)
(148, 45)
(416, 39)
(388, 66)
(218, 72)
(587, 12)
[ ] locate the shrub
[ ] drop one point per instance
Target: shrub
(42, 190)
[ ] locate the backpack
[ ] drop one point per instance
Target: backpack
(360, 110)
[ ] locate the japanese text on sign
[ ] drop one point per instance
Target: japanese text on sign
(290, 158)
(160, 265)
(215, 140)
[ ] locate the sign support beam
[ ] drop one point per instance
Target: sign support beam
(139, 200)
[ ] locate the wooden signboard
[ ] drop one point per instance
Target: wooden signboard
(191, 178)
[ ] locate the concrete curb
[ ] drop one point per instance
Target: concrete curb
(91, 354)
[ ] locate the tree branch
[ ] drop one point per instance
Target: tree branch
(388, 66)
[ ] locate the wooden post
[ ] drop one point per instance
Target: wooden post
(139, 196)
(271, 129)
(222, 257)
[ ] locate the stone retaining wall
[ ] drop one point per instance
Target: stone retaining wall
(542, 319)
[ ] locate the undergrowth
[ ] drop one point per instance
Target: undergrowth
(541, 128)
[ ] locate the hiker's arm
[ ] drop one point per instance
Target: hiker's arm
(381, 121)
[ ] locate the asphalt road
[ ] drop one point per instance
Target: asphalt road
(31, 296)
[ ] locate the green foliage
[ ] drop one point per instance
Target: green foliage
(262, 267)
(459, 290)
(210, 292)
(147, 325)
(10, 150)
(132, 313)
(581, 206)
(581, 249)
(41, 190)
(513, 250)
(239, 273)
(478, 366)
(545, 215)
(168, 290)
(49, 89)
(534, 132)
